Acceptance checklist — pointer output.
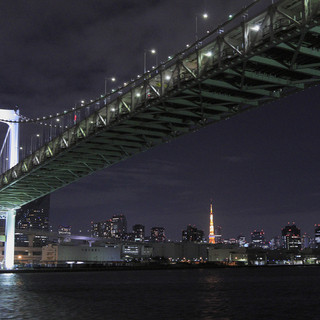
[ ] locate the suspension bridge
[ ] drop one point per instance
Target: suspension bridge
(244, 63)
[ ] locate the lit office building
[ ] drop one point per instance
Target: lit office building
(218, 234)
(257, 239)
(118, 226)
(241, 239)
(305, 241)
(317, 235)
(158, 234)
(138, 232)
(291, 237)
(192, 234)
(101, 229)
(275, 243)
(33, 216)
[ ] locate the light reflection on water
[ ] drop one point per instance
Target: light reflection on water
(220, 294)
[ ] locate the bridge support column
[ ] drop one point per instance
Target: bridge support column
(9, 244)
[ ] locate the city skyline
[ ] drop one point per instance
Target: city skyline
(247, 235)
(260, 167)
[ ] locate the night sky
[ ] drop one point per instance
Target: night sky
(260, 168)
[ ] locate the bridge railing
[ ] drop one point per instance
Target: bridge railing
(228, 44)
(235, 38)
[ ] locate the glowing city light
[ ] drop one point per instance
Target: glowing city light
(211, 233)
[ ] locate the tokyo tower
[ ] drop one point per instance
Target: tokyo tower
(211, 230)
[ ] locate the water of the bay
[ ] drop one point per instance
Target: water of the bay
(233, 293)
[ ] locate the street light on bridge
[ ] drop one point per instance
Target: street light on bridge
(37, 136)
(112, 79)
(152, 51)
(204, 16)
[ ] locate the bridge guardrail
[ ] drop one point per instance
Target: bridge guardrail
(212, 53)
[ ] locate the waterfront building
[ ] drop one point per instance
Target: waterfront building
(138, 251)
(192, 234)
(228, 255)
(211, 228)
(291, 237)
(180, 251)
(158, 234)
(138, 232)
(257, 239)
(58, 254)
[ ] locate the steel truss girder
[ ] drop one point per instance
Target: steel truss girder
(204, 84)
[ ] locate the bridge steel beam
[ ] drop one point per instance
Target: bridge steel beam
(239, 66)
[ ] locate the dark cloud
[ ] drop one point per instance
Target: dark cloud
(260, 167)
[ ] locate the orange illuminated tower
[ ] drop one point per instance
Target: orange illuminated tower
(211, 233)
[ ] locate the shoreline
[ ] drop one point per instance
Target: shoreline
(146, 267)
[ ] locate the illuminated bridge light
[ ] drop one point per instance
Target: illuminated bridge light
(255, 27)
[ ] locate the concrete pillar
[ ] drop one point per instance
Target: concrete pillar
(9, 244)
(12, 115)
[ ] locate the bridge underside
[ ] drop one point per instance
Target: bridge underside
(237, 71)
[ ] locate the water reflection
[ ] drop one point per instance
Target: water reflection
(222, 294)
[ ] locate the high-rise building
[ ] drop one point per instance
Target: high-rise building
(211, 229)
(192, 234)
(138, 232)
(241, 239)
(118, 226)
(101, 229)
(158, 234)
(305, 241)
(33, 216)
(317, 235)
(291, 237)
(257, 239)
(275, 243)
(218, 234)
